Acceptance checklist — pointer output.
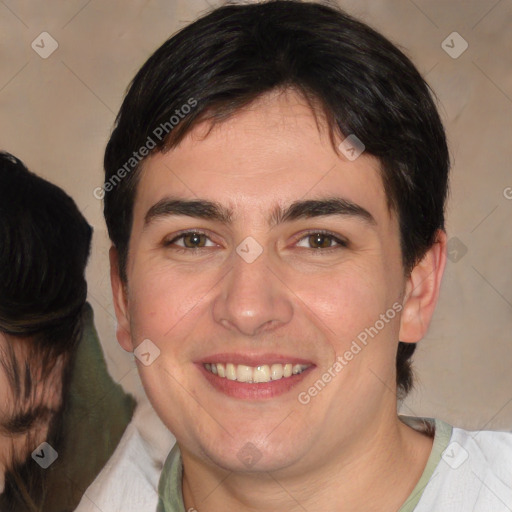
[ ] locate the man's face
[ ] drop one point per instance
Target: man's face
(15, 445)
(318, 283)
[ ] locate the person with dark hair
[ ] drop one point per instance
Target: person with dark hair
(56, 397)
(275, 189)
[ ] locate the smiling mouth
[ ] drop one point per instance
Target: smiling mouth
(255, 374)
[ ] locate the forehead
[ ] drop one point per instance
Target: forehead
(273, 152)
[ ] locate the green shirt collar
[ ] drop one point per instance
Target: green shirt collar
(443, 433)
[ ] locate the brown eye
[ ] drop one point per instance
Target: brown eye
(319, 240)
(193, 240)
(189, 240)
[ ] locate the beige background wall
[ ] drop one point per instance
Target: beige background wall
(57, 113)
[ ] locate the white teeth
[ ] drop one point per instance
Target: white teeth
(243, 373)
(262, 373)
(276, 371)
(221, 370)
(231, 371)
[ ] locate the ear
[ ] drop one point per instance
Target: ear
(120, 294)
(422, 291)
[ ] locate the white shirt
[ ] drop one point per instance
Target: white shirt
(474, 473)
(466, 472)
(129, 480)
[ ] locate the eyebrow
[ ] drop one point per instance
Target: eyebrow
(302, 209)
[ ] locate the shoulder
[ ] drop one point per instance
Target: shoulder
(486, 447)
(474, 473)
(488, 455)
(129, 481)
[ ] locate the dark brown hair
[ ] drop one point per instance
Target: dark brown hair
(45, 244)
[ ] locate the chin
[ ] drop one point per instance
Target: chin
(250, 454)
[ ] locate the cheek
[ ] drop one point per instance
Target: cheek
(348, 305)
(158, 299)
(346, 300)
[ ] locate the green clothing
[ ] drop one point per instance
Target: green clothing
(169, 488)
(96, 415)
(171, 496)
(443, 433)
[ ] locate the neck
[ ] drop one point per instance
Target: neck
(377, 473)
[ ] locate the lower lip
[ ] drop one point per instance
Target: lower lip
(256, 391)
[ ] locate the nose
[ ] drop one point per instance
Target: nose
(252, 298)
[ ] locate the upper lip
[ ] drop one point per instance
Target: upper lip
(253, 359)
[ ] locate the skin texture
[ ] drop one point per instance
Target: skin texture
(18, 446)
(346, 446)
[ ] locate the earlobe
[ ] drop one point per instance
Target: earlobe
(422, 292)
(123, 331)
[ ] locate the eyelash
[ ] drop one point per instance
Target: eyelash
(341, 243)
